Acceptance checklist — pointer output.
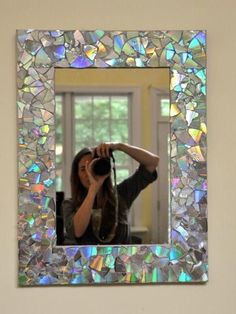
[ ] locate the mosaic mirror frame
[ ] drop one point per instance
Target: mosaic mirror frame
(184, 259)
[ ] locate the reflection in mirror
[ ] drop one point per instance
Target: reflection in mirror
(116, 105)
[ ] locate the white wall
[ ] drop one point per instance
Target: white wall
(218, 17)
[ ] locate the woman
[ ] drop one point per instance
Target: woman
(97, 213)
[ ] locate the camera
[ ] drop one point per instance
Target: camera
(101, 166)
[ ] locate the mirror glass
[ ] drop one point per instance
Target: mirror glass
(116, 105)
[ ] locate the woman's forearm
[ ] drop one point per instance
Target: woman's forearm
(144, 157)
(83, 214)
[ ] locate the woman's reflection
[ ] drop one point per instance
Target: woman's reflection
(97, 212)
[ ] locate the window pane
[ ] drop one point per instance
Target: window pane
(101, 107)
(121, 174)
(119, 107)
(101, 131)
(59, 180)
(83, 131)
(59, 149)
(121, 158)
(59, 105)
(120, 132)
(81, 145)
(165, 107)
(83, 107)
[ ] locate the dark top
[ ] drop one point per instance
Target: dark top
(127, 191)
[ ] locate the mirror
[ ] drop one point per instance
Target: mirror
(127, 105)
(181, 259)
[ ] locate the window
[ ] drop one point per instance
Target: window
(86, 120)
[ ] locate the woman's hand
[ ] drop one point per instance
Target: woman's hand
(105, 149)
(95, 181)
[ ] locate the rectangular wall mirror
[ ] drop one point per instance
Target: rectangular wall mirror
(81, 88)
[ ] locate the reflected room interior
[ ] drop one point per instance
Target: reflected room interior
(116, 105)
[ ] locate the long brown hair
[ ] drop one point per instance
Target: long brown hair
(79, 192)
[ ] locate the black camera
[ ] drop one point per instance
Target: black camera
(101, 166)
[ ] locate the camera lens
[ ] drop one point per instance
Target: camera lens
(102, 166)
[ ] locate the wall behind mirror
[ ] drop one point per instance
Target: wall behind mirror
(116, 105)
